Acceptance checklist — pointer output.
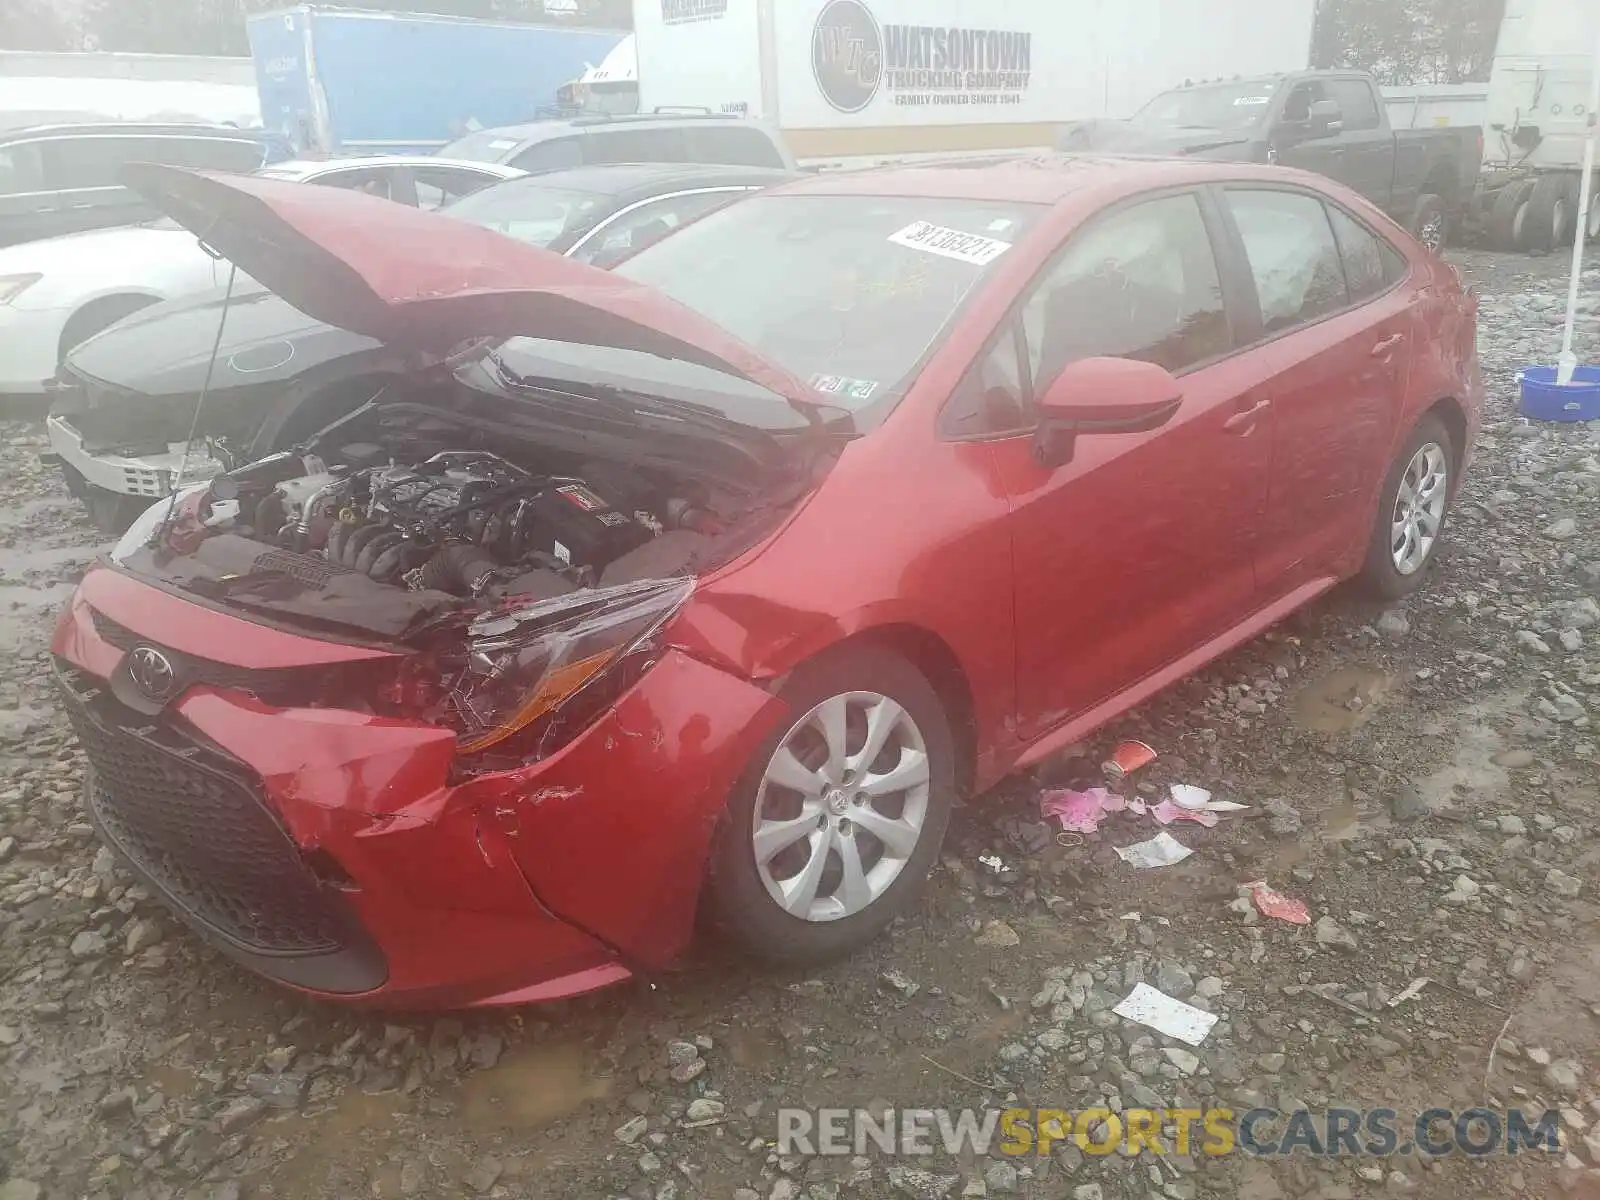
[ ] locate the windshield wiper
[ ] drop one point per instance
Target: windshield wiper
(646, 402)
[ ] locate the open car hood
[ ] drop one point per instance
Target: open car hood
(416, 280)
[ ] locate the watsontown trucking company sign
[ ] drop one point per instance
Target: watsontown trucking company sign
(854, 59)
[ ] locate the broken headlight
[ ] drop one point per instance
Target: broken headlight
(547, 669)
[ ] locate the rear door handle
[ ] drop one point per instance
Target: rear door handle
(1389, 344)
(1245, 421)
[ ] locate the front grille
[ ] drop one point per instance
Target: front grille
(283, 687)
(192, 820)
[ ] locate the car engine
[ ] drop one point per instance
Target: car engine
(473, 524)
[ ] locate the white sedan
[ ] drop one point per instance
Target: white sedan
(59, 292)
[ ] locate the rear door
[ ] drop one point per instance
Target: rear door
(1366, 157)
(1140, 549)
(82, 170)
(1333, 323)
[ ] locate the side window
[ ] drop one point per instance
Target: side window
(1298, 106)
(988, 400)
(210, 154)
(1361, 250)
(648, 223)
(92, 162)
(438, 186)
(1395, 265)
(1357, 104)
(373, 181)
(552, 155)
(19, 169)
(737, 145)
(639, 144)
(1293, 257)
(1139, 283)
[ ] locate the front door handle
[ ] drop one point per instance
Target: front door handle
(1388, 346)
(1245, 421)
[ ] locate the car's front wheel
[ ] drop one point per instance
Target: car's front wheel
(1411, 512)
(840, 815)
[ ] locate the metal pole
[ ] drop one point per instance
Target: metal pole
(1567, 363)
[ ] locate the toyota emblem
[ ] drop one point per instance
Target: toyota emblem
(151, 672)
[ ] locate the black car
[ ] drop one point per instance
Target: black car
(127, 398)
(57, 179)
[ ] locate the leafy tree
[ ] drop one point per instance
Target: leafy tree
(1409, 41)
(32, 25)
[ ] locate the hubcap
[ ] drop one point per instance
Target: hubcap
(1419, 508)
(1432, 233)
(841, 806)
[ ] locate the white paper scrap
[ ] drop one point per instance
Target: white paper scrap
(1160, 851)
(1147, 1006)
(971, 248)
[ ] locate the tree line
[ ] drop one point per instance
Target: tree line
(1399, 41)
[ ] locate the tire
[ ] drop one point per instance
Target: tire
(740, 901)
(1430, 223)
(1507, 219)
(1552, 213)
(1381, 575)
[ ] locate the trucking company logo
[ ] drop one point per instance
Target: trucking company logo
(685, 12)
(853, 58)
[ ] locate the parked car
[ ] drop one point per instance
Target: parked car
(57, 179)
(710, 593)
(124, 402)
(1331, 122)
(60, 292)
(627, 138)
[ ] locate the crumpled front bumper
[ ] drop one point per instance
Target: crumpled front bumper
(147, 475)
(546, 881)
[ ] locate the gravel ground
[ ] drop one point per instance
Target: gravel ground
(1424, 778)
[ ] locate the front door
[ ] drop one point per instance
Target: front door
(1141, 548)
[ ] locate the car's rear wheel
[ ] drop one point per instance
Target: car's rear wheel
(1430, 223)
(840, 815)
(1411, 513)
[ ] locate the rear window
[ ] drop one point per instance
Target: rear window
(736, 145)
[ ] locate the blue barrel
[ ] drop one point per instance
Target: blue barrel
(1543, 399)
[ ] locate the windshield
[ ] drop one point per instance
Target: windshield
(530, 212)
(487, 145)
(845, 292)
(1234, 106)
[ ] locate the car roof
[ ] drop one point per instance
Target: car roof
(617, 179)
(301, 168)
(1040, 178)
(132, 129)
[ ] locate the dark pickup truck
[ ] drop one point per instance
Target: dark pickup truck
(1331, 122)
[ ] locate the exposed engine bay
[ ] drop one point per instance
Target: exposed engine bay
(471, 523)
(525, 587)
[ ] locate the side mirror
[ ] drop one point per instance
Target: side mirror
(1327, 118)
(1102, 395)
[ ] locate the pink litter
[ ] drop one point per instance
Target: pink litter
(1080, 812)
(1167, 812)
(1275, 904)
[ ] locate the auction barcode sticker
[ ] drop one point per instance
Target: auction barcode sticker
(950, 243)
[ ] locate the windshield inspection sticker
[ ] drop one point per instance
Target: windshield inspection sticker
(838, 385)
(971, 248)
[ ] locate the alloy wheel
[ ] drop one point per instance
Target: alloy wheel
(1431, 234)
(841, 807)
(1419, 505)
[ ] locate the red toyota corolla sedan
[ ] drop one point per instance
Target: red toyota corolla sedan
(706, 585)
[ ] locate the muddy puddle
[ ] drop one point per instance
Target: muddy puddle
(1342, 700)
